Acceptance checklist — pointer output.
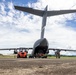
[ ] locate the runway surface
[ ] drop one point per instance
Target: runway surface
(37, 66)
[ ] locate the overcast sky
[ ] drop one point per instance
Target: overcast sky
(19, 29)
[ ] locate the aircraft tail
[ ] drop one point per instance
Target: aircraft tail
(38, 13)
(44, 14)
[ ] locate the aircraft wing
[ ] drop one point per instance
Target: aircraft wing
(15, 48)
(32, 48)
(29, 10)
(61, 49)
(59, 12)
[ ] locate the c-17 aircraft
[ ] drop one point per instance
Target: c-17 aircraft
(40, 48)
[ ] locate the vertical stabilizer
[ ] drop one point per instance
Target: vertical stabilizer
(44, 22)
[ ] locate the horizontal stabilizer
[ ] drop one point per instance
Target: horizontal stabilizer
(41, 12)
(29, 10)
(59, 12)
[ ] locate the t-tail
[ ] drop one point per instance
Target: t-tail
(41, 13)
(44, 14)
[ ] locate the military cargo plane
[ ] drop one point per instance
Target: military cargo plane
(40, 48)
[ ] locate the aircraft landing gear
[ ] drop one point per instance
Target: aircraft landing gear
(40, 54)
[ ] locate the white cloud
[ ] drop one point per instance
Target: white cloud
(3, 0)
(18, 29)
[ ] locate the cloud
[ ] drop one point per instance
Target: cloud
(20, 29)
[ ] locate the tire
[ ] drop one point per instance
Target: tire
(25, 56)
(44, 56)
(18, 56)
(31, 56)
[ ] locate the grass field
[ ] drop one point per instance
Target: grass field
(51, 57)
(8, 56)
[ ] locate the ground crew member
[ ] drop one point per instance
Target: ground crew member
(57, 53)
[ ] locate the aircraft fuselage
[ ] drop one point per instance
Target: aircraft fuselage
(40, 47)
